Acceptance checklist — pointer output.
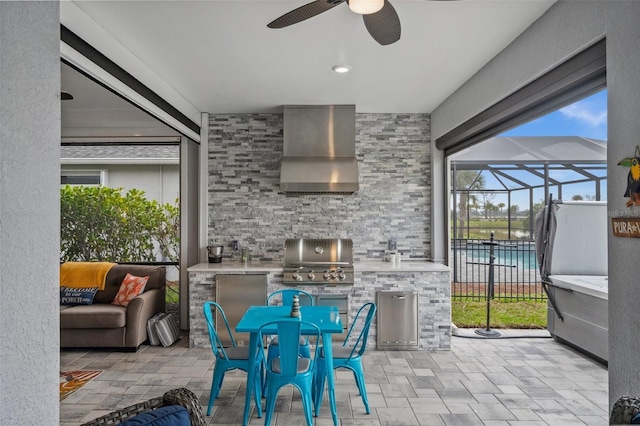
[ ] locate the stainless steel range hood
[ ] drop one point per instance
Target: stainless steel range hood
(319, 149)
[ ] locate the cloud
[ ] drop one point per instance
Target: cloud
(581, 111)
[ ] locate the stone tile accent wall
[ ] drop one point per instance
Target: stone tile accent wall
(201, 289)
(393, 152)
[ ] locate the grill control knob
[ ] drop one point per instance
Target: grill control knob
(311, 275)
(342, 276)
(326, 275)
(334, 276)
(296, 276)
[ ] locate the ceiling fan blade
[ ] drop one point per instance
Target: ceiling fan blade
(307, 11)
(384, 25)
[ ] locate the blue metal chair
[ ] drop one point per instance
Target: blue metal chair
(348, 356)
(285, 298)
(289, 368)
(230, 358)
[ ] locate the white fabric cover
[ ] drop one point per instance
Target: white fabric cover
(577, 238)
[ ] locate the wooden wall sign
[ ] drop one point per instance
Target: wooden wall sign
(626, 227)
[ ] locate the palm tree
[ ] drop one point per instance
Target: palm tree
(501, 206)
(467, 181)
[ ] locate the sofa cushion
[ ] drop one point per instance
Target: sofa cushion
(77, 296)
(170, 415)
(131, 287)
(101, 315)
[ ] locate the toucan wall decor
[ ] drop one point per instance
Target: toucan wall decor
(630, 226)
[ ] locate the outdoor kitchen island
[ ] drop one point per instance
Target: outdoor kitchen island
(431, 280)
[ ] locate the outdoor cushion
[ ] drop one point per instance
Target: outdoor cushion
(240, 352)
(93, 316)
(169, 415)
(340, 351)
(303, 365)
(77, 296)
(131, 287)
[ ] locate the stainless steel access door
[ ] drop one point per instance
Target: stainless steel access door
(235, 293)
(397, 326)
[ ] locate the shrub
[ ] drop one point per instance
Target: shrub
(98, 223)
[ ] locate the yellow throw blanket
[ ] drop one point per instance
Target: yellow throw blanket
(84, 274)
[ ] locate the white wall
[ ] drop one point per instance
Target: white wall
(29, 212)
(566, 28)
(159, 182)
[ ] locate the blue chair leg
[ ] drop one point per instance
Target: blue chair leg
(307, 406)
(211, 398)
(216, 384)
(358, 375)
(257, 390)
(270, 404)
(319, 385)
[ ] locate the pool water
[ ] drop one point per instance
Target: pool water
(521, 256)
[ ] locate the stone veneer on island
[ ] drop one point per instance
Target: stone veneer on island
(431, 280)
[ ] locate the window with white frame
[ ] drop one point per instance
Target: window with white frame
(83, 177)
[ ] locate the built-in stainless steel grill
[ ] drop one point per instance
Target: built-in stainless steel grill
(318, 261)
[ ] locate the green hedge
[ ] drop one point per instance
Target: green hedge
(98, 223)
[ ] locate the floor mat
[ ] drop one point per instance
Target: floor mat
(71, 381)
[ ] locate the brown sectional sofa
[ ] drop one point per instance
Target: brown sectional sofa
(103, 325)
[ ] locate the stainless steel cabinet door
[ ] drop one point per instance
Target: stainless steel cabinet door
(397, 326)
(235, 293)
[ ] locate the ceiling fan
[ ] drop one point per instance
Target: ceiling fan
(379, 17)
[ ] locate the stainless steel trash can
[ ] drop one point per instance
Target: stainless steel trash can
(397, 322)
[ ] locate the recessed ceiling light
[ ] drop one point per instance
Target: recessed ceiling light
(341, 69)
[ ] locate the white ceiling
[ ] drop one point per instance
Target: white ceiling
(220, 57)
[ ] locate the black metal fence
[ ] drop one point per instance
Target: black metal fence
(515, 270)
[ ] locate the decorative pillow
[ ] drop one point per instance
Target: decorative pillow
(77, 296)
(131, 287)
(169, 415)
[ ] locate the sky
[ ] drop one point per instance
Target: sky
(586, 118)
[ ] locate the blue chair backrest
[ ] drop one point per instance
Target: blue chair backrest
(286, 296)
(360, 344)
(216, 344)
(289, 338)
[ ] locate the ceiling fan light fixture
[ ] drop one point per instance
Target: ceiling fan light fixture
(365, 7)
(341, 69)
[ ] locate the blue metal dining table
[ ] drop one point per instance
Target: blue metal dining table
(326, 318)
